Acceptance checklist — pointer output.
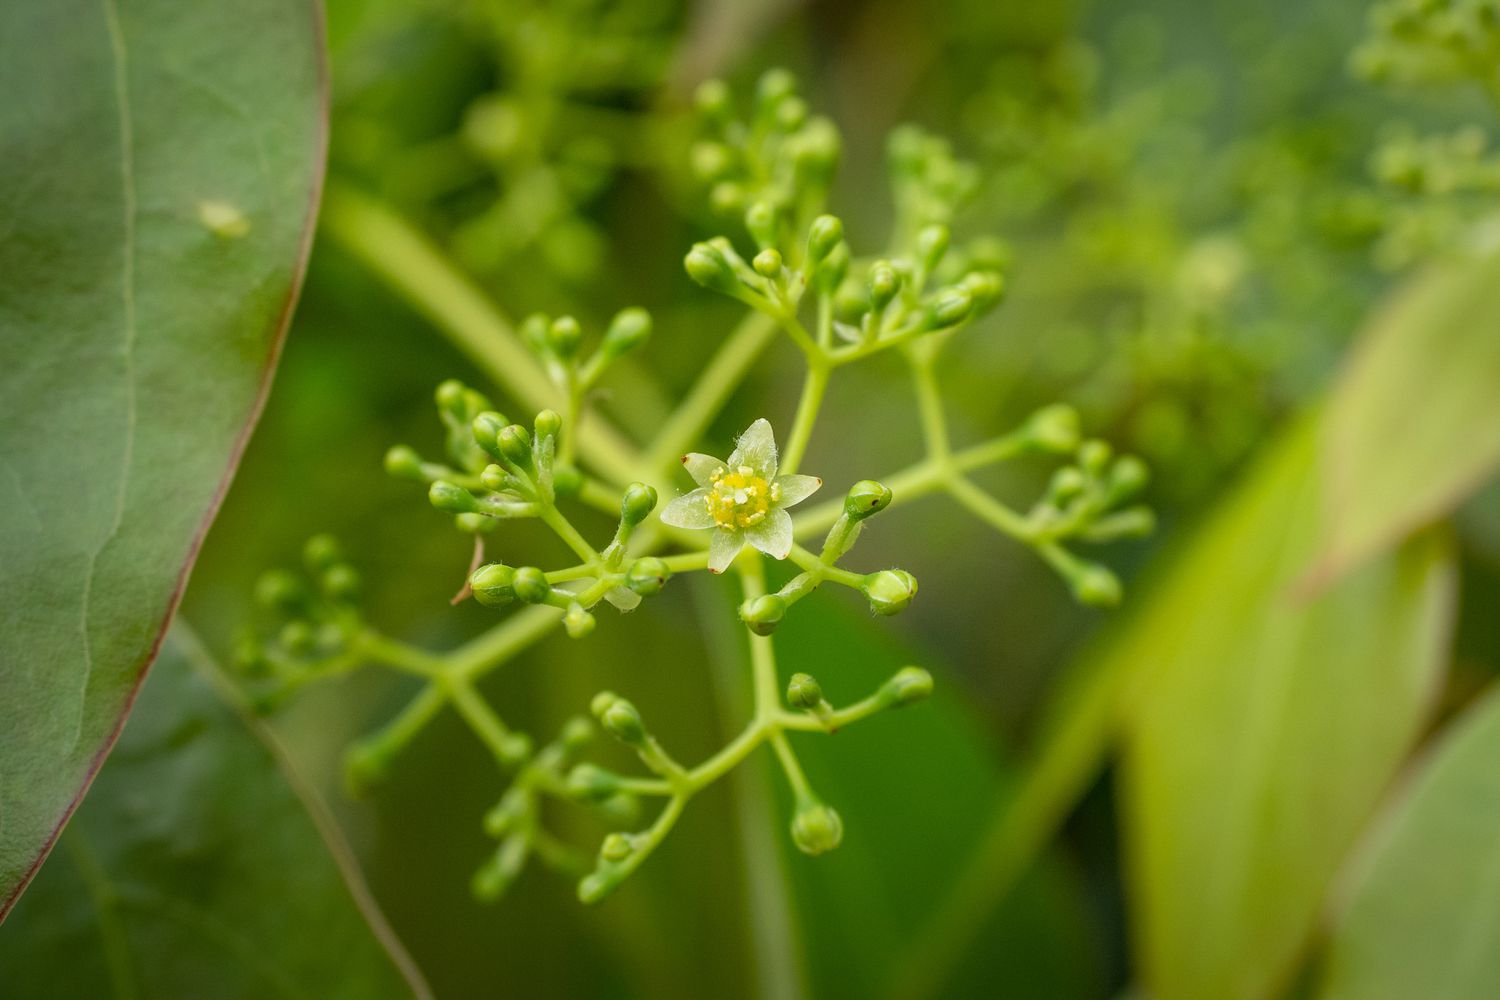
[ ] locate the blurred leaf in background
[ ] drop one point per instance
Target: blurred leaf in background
(201, 866)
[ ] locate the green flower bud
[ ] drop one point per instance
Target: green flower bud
(1094, 455)
(577, 622)
(341, 582)
(298, 638)
(249, 655)
(530, 585)
(763, 613)
(774, 86)
(487, 427)
(577, 733)
(726, 197)
(890, 590)
(592, 783)
(1067, 483)
(865, 498)
(493, 585)
(495, 478)
(761, 220)
(475, 524)
(638, 501)
(706, 265)
(710, 160)
(616, 847)
(628, 330)
(547, 424)
(321, 552)
(829, 273)
(884, 284)
(450, 397)
(1054, 428)
(452, 498)
(1096, 586)
(816, 151)
(932, 243)
(908, 686)
(712, 100)
(1127, 478)
(514, 445)
(496, 875)
(619, 718)
(792, 113)
(986, 288)
(647, 576)
(278, 590)
(825, 233)
(514, 749)
(563, 337)
(596, 885)
(767, 264)
(533, 331)
(952, 307)
(802, 691)
(501, 819)
(816, 828)
(402, 462)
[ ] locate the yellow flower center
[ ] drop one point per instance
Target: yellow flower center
(740, 499)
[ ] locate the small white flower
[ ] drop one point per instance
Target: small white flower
(742, 499)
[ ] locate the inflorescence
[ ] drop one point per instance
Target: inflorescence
(798, 275)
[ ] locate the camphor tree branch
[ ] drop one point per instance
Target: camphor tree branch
(800, 281)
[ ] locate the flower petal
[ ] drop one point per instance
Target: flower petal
(773, 536)
(723, 547)
(623, 598)
(757, 449)
(688, 511)
(702, 467)
(795, 489)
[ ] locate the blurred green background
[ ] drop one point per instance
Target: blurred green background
(1198, 220)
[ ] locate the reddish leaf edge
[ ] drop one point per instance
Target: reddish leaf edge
(268, 374)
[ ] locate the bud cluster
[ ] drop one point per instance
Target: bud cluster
(773, 168)
(313, 620)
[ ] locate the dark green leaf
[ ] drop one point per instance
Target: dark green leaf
(200, 866)
(1423, 918)
(1264, 727)
(161, 166)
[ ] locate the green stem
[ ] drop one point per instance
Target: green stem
(418, 271)
(930, 409)
(814, 386)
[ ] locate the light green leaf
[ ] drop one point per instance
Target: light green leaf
(161, 167)
(1264, 728)
(1413, 426)
(200, 866)
(1423, 917)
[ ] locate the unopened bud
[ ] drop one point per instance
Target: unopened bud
(592, 783)
(865, 498)
(909, 685)
(890, 590)
(706, 265)
(952, 307)
(547, 424)
(816, 828)
(530, 585)
(402, 462)
(884, 284)
(767, 264)
(762, 614)
(825, 233)
(492, 585)
(802, 691)
(638, 501)
(577, 622)
(1096, 586)
(452, 498)
(647, 576)
(628, 330)
(619, 718)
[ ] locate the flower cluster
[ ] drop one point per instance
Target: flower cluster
(836, 308)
